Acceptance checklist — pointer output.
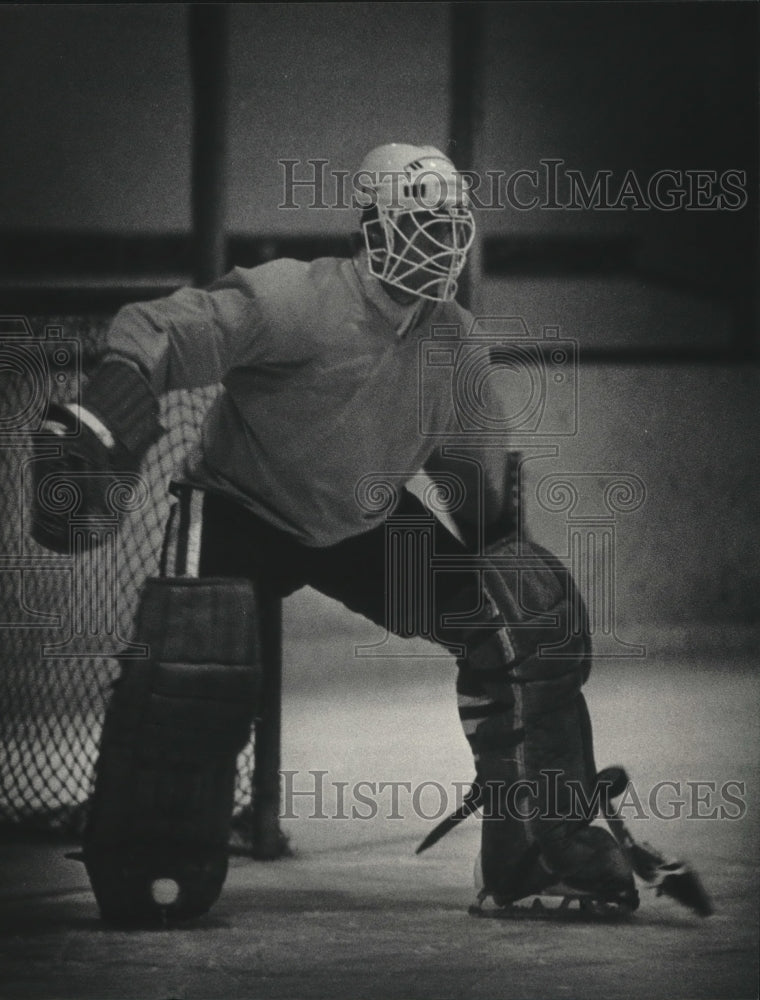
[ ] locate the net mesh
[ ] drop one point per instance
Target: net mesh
(62, 618)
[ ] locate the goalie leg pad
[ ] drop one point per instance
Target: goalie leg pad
(156, 840)
(522, 710)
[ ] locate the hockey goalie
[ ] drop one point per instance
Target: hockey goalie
(320, 364)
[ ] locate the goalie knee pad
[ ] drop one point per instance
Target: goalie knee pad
(156, 839)
(522, 710)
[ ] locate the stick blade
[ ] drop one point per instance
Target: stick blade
(681, 883)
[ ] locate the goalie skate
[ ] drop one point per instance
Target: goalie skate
(601, 888)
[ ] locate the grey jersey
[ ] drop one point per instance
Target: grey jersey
(323, 387)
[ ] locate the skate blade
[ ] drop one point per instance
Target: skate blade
(553, 904)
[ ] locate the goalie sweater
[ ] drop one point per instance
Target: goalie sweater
(328, 391)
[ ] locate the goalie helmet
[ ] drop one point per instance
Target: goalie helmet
(417, 224)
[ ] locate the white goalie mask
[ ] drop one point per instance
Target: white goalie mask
(417, 224)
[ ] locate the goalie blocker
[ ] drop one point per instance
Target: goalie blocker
(157, 835)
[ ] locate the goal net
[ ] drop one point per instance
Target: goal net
(63, 619)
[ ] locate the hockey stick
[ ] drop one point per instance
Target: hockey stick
(470, 804)
(474, 799)
(670, 878)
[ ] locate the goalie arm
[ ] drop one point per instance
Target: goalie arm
(481, 462)
(120, 408)
(193, 337)
(189, 339)
(479, 477)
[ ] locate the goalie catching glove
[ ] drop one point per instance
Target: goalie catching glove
(107, 434)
